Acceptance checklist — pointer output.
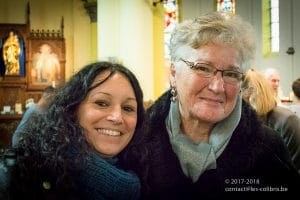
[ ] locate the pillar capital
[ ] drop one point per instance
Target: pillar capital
(91, 7)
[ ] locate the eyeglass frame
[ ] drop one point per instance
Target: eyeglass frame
(192, 65)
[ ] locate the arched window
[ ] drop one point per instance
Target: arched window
(270, 23)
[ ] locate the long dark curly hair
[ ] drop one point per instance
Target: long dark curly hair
(53, 148)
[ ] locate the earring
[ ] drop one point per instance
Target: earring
(174, 94)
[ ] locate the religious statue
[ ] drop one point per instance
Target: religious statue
(46, 67)
(11, 53)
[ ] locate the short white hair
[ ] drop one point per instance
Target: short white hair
(269, 72)
(216, 29)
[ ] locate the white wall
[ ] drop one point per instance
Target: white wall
(125, 33)
(13, 11)
(192, 8)
(296, 38)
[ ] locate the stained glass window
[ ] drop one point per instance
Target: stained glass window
(226, 7)
(171, 20)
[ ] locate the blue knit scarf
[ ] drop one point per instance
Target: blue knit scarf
(196, 158)
(101, 179)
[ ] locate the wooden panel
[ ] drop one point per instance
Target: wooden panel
(8, 125)
(12, 92)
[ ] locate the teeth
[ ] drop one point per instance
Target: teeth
(109, 132)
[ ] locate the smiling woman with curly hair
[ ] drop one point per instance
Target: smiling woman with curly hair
(73, 150)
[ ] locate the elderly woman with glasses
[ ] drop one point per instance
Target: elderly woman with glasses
(199, 139)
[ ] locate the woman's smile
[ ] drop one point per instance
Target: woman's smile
(108, 132)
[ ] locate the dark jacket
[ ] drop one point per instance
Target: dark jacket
(254, 159)
(100, 179)
(287, 124)
(7, 161)
(31, 190)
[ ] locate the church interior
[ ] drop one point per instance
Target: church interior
(51, 40)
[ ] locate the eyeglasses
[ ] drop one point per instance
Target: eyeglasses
(248, 89)
(207, 71)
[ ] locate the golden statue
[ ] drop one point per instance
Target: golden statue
(11, 53)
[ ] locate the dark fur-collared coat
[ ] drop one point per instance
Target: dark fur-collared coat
(255, 162)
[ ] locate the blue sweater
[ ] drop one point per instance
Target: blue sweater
(34, 108)
(101, 179)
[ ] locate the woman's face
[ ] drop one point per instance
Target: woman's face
(207, 100)
(108, 114)
(246, 93)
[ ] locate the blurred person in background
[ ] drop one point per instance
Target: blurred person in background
(258, 93)
(35, 108)
(295, 107)
(273, 77)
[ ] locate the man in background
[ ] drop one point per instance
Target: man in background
(273, 78)
(38, 107)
